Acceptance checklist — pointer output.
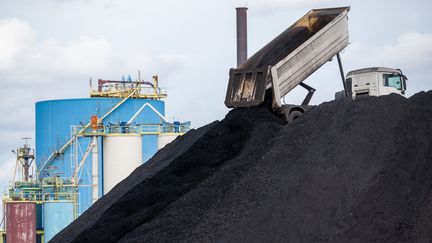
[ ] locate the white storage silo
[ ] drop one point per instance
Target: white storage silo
(122, 154)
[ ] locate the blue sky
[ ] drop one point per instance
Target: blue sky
(50, 48)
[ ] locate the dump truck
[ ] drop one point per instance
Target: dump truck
(286, 61)
(375, 81)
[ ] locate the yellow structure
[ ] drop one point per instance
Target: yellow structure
(121, 89)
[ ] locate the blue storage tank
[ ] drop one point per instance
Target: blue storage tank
(55, 118)
(57, 215)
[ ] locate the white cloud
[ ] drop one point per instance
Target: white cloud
(15, 37)
(37, 62)
(24, 60)
(83, 55)
(411, 50)
(41, 60)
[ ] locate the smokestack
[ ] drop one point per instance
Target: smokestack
(241, 35)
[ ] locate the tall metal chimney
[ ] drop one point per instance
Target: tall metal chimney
(241, 35)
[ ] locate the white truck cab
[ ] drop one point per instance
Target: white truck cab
(375, 81)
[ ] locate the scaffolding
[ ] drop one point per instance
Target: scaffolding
(119, 89)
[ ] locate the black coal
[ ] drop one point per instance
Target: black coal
(346, 171)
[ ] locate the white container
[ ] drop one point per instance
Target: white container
(122, 154)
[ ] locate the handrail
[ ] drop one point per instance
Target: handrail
(142, 108)
(103, 130)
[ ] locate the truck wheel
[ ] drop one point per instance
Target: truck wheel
(294, 115)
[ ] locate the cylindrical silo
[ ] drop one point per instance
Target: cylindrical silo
(164, 139)
(21, 222)
(57, 215)
(122, 154)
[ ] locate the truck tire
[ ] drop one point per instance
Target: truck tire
(293, 115)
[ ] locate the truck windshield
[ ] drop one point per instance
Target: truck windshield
(393, 80)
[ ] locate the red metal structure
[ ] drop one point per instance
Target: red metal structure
(21, 222)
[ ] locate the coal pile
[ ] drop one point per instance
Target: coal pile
(346, 171)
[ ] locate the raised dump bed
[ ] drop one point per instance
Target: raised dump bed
(289, 58)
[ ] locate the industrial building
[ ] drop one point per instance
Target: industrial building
(83, 148)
